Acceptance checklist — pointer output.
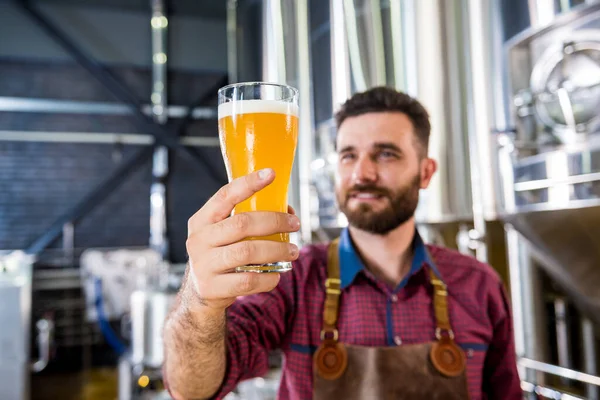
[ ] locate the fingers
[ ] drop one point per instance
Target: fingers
(216, 244)
(216, 283)
(250, 224)
(220, 205)
(250, 252)
(291, 210)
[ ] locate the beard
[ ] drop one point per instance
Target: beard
(400, 208)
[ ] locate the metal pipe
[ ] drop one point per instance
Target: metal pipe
(306, 122)
(559, 371)
(397, 25)
(232, 42)
(557, 170)
(409, 12)
(353, 47)
(562, 334)
(506, 172)
(158, 202)
(499, 93)
(125, 379)
(560, 179)
(375, 22)
(547, 392)
(57, 106)
(499, 79)
(160, 164)
(340, 66)
(528, 318)
(455, 120)
(68, 236)
(516, 291)
(431, 78)
(104, 138)
(45, 331)
(589, 357)
(273, 51)
(159, 23)
(479, 128)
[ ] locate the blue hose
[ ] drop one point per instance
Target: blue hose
(109, 335)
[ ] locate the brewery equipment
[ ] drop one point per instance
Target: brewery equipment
(15, 320)
(549, 172)
(137, 288)
(514, 127)
(550, 166)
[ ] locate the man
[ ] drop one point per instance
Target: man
(375, 315)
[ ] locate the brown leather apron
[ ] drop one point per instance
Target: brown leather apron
(434, 370)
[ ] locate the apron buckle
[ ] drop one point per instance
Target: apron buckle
(439, 331)
(334, 335)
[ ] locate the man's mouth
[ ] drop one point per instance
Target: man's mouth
(366, 196)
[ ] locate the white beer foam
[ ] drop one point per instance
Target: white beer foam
(257, 106)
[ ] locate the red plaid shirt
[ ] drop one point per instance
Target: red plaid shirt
(374, 314)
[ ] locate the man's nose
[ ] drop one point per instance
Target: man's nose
(365, 170)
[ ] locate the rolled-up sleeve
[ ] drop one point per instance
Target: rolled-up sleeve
(256, 325)
(501, 378)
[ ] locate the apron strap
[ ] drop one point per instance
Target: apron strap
(333, 291)
(445, 355)
(330, 359)
(440, 306)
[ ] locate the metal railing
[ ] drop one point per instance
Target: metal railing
(528, 387)
(559, 371)
(534, 389)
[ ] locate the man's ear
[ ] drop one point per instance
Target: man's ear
(428, 168)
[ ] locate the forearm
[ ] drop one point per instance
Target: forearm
(195, 355)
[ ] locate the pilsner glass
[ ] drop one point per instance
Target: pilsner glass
(258, 128)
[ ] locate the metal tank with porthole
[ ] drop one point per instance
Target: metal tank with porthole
(550, 165)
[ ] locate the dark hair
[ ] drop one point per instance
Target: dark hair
(380, 99)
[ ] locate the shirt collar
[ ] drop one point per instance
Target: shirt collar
(351, 264)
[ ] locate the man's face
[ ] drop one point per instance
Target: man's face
(381, 167)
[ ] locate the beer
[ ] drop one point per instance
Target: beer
(258, 128)
(257, 134)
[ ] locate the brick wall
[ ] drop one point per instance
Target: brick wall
(39, 181)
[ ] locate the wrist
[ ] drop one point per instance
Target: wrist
(197, 323)
(194, 302)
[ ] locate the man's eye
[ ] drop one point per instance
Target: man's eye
(387, 154)
(347, 157)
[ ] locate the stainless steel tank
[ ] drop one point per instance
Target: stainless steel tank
(550, 167)
(441, 53)
(149, 310)
(149, 304)
(15, 320)
(406, 45)
(330, 50)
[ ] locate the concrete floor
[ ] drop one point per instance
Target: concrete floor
(97, 384)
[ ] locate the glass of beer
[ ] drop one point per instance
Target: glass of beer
(258, 128)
